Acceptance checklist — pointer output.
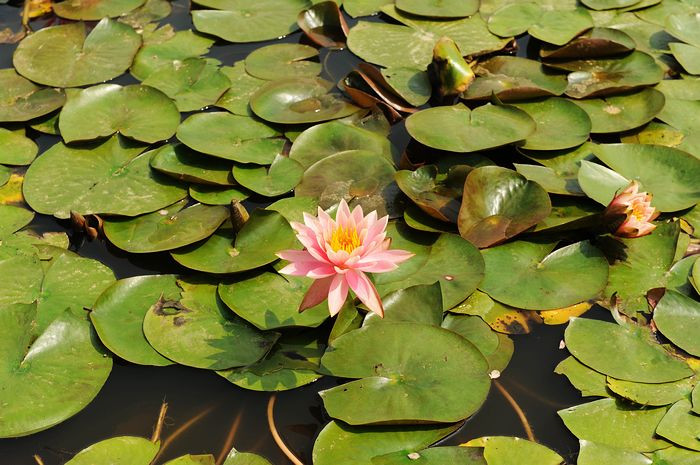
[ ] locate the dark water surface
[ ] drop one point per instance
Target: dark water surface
(130, 400)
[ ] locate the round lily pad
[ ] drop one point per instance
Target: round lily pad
(182, 163)
(622, 112)
(608, 4)
(299, 100)
(513, 19)
(593, 453)
(459, 129)
(271, 301)
(681, 426)
(687, 56)
(64, 56)
(534, 276)
(655, 394)
(271, 181)
(416, 304)
(262, 236)
(503, 450)
(678, 318)
(111, 177)
(214, 195)
(13, 218)
(411, 84)
(193, 83)
(288, 60)
(600, 183)
(16, 148)
(514, 78)
(244, 458)
(243, 86)
(560, 124)
(684, 27)
(122, 449)
(140, 112)
(243, 21)
(439, 8)
(26, 270)
(119, 311)
(48, 379)
(22, 100)
(198, 330)
(394, 380)
(94, 10)
(597, 42)
(440, 200)
(637, 358)
(559, 26)
(433, 456)
(498, 204)
(166, 229)
(224, 135)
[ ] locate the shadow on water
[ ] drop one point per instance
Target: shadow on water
(130, 400)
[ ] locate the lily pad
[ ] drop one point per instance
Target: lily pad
(13, 218)
(684, 27)
(395, 382)
(560, 124)
(244, 458)
(687, 56)
(595, 43)
(166, 229)
(22, 100)
(167, 48)
(583, 378)
(180, 162)
(62, 370)
(608, 4)
(559, 26)
(439, 8)
(534, 276)
(119, 450)
(412, 84)
(288, 60)
(678, 318)
(681, 426)
(637, 357)
(514, 78)
(224, 135)
(324, 24)
(110, 177)
(198, 330)
(503, 450)
(243, 86)
(242, 21)
(64, 56)
(513, 19)
(498, 204)
(593, 454)
(140, 112)
(356, 8)
(213, 195)
(280, 177)
(459, 129)
(119, 311)
(440, 200)
(94, 10)
(417, 304)
(299, 100)
(655, 394)
(262, 236)
(433, 456)
(622, 112)
(16, 148)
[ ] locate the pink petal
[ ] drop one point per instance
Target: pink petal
(337, 294)
(358, 215)
(317, 293)
(365, 291)
(342, 217)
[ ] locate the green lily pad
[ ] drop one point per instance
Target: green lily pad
(637, 357)
(193, 460)
(440, 200)
(593, 454)
(395, 381)
(361, 177)
(151, 11)
(117, 451)
(684, 27)
(560, 124)
(417, 304)
(356, 8)
(678, 318)
(166, 47)
(13, 218)
(605, 76)
(433, 456)
(271, 301)
(140, 112)
(600, 183)
(680, 114)
(676, 456)
(47, 124)
(16, 148)
(583, 378)
(166, 229)
(193, 83)
(655, 394)
(560, 171)
(412, 84)
(476, 331)
(514, 78)
(681, 426)
(458, 129)
(439, 8)
(608, 4)
(110, 177)
(25, 268)
(513, 19)
(503, 450)
(94, 10)
(244, 458)
(341, 443)
(243, 86)
(22, 100)
(559, 26)
(198, 330)
(214, 195)
(242, 21)
(224, 135)
(299, 100)
(669, 174)
(288, 60)
(119, 311)
(262, 236)
(280, 177)
(534, 276)
(498, 204)
(291, 363)
(63, 56)
(613, 423)
(622, 112)
(5, 174)
(293, 208)
(595, 43)
(46, 380)
(687, 56)
(182, 163)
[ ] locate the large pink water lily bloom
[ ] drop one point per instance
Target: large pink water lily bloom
(635, 209)
(337, 255)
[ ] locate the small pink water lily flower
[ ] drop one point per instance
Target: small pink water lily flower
(635, 210)
(337, 255)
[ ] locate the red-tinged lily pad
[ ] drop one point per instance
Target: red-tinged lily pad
(597, 42)
(324, 24)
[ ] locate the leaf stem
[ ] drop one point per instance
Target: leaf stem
(276, 436)
(184, 427)
(228, 445)
(518, 410)
(155, 437)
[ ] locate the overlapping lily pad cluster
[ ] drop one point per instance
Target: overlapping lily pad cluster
(500, 195)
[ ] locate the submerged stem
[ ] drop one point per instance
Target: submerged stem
(155, 437)
(228, 445)
(273, 429)
(184, 427)
(518, 410)
(38, 460)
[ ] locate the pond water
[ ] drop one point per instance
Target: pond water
(130, 400)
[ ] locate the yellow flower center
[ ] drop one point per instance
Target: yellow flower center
(345, 239)
(639, 211)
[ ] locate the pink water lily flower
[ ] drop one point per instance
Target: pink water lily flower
(337, 255)
(635, 209)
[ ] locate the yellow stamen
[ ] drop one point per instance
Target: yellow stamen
(639, 211)
(345, 239)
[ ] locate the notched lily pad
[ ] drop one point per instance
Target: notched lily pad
(22, 100)
(595, 43)
(622, 112)
(288, 60)
(182, 163)
(94, 10)
(271, 181)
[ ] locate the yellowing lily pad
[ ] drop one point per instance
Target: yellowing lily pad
(94, 10)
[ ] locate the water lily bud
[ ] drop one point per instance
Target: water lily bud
(630, 213)
(452, 73)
